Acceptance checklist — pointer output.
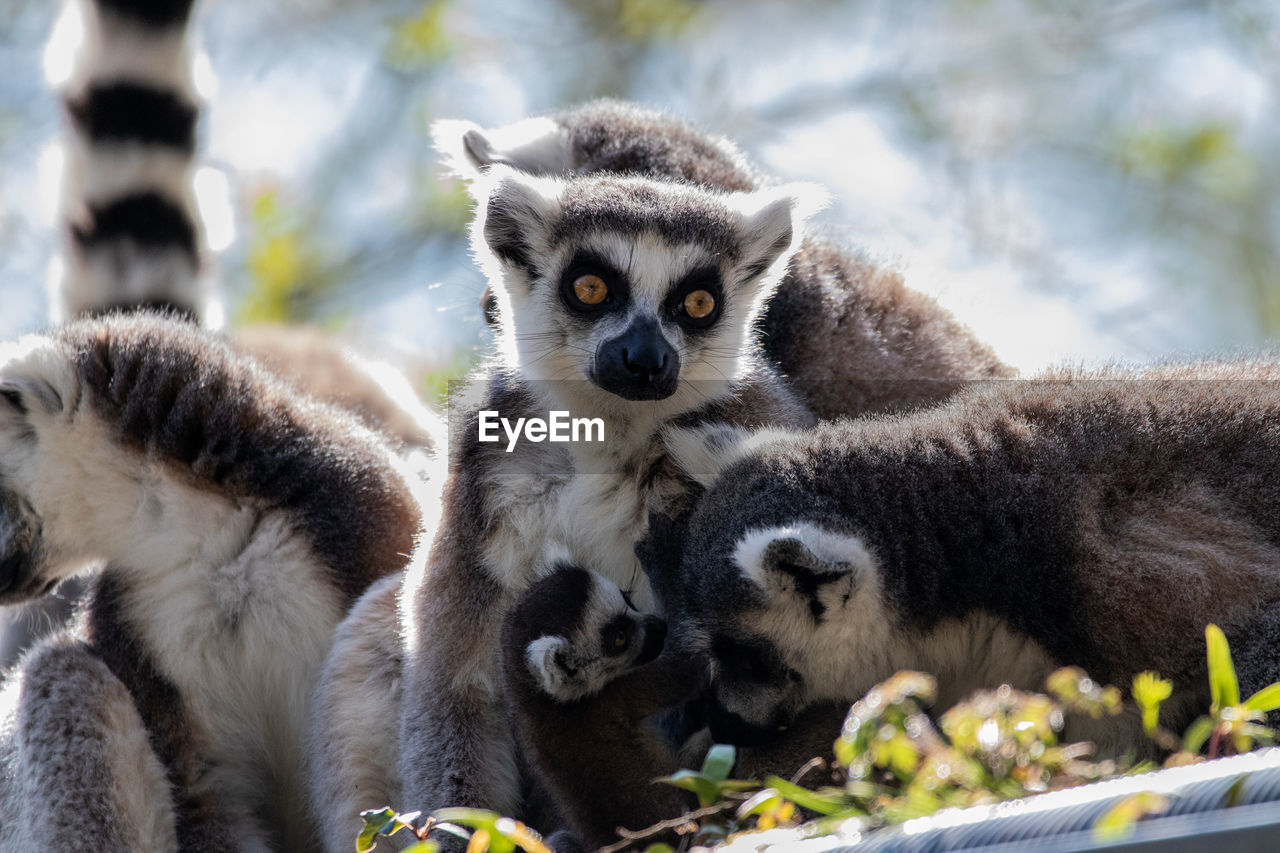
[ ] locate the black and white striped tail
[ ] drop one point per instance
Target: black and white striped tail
(132, 232)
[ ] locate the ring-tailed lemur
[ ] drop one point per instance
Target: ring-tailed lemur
(623, 299)
(133, 238)
(846, 332)
(237, 521)
(585, 677)
(1099, 519)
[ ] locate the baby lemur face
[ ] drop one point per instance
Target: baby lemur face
(578, 632)
(642, 290)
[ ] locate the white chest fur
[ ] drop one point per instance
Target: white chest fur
(243, 637)
(544, 502)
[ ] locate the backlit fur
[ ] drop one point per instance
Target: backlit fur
(501, 510)
(238, 521)
(848, 333)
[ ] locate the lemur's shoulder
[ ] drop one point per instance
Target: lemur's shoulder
(185, 397)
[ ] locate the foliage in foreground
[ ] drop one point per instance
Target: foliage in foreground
(892, 762)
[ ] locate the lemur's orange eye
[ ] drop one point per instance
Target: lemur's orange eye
(590, 289)
(699, 304)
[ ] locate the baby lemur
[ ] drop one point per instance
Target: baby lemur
(1098, 519)
(237, 521)
(585, 674)
(848, 334)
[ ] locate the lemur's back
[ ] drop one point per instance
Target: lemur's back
(238, 521)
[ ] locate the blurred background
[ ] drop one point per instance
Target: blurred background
(1079, 180)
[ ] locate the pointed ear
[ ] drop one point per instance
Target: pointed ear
(821, 567)
(31, 369)
(518, 213)
(541, 658)
(772, 220)
(536, 146)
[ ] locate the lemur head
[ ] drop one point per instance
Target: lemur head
(624, 290)
(33, 384)
(574, 631)
(767, 577)
(598, 136)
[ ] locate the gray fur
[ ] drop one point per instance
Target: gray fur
(850, 336)
(501, 509)
(494, 500)
(358, 695)
(1098, 519)
(238, 522)
(50, 760)
(597, 754)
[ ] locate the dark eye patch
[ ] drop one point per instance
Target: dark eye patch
(586, 263)
(616, 636)
(703, 282)
(13, 398)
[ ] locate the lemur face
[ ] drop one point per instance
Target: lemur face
(20, 559)
(578, 632)
(29, 397)
(805, 599)
(645, 290)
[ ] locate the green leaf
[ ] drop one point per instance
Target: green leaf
(824, 804)
(758, 802)
(367, 839)
(1197, 733)
(719, 762)
(1149, 690)
(1265, 700)
(375, 820)
(1117, 822)
(1222, 672)
(1235, 794)
(707, 792)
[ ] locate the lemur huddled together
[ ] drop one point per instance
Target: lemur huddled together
(303, 601)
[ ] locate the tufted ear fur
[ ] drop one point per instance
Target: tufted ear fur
(541, 656)
(517, 214)
(21, 393)
(823, 568)
(536, 146)
(30, 371)
(772, 221)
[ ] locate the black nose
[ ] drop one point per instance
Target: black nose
(638, 364)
